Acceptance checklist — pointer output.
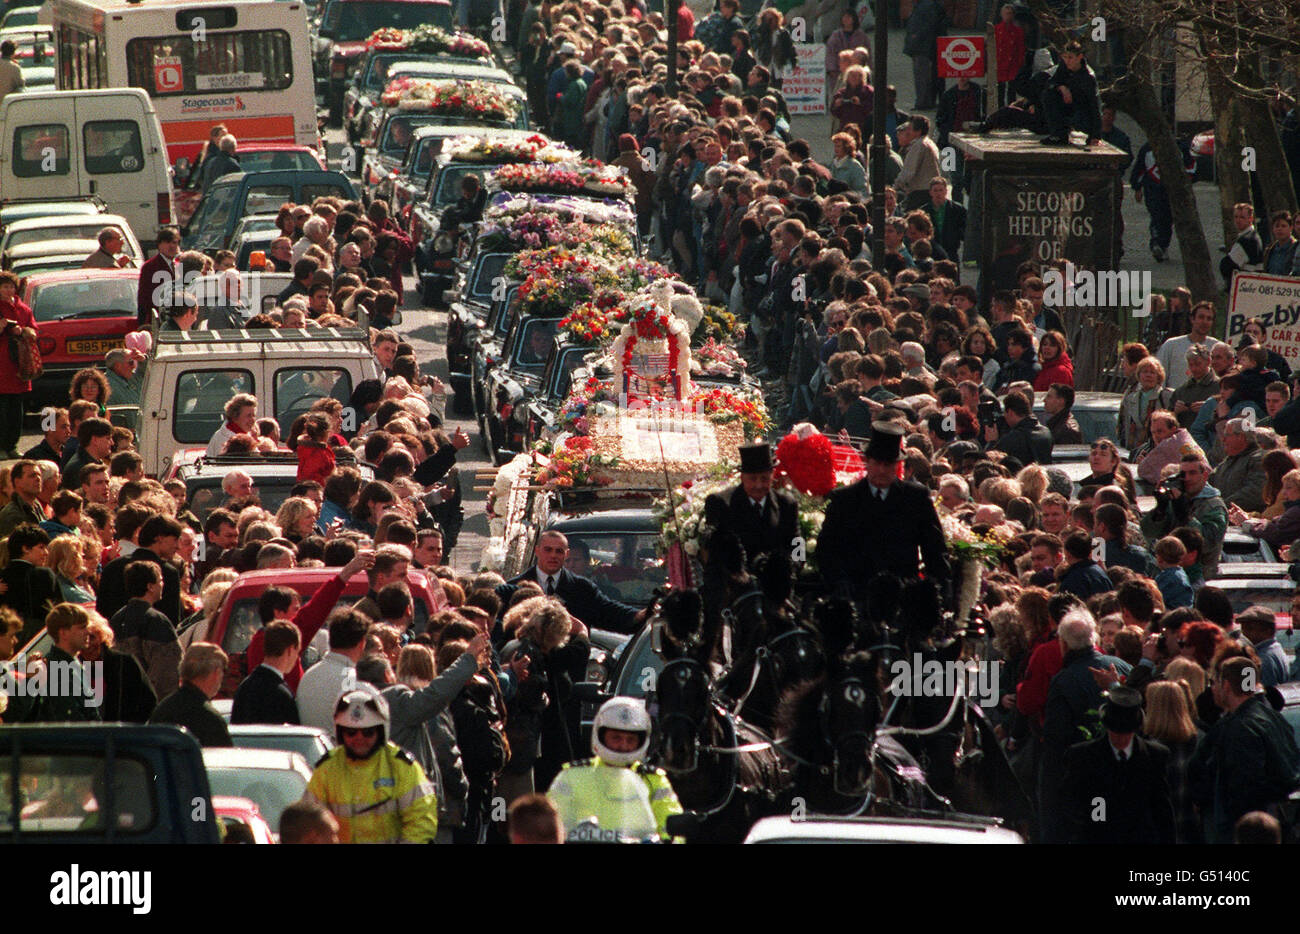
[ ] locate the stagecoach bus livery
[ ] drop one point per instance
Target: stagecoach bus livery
(245, 64)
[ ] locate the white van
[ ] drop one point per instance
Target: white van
(73, 144)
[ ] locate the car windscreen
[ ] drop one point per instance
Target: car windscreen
(204, 492)
(287, 161)
(639, 667)
(1096, 423)
(533, 346)
(88, 298)
(245, 621)
(65, 792)
(377, 75)
(625, 566)
(400, 129)
(449, 179)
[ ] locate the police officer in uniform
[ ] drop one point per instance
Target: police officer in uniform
(375, 789)
(614, 797)
(881, 524)
(765, 520)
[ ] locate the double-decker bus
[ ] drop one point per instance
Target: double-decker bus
(245, 64)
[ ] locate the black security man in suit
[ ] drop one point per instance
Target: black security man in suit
(765, 520)
(1116, 786)
(579, 595)
(263, 697)
(881, 524)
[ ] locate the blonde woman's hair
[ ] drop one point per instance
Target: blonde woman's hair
(416, 663)
(547, 623)
(100, 625)
(1168, 718)
(1189, 672)
(1033, 482)
(292, 510)
(65, 557)
(213, 593)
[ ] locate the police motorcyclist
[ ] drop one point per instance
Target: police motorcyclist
(375, 788)
(615, 791)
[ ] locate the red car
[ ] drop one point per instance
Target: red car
(237, 620)
(241, 816)
(81, 314)
(256, 157)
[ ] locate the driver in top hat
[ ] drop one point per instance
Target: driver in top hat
(1116, 786)
(881, 524)
(765, 520)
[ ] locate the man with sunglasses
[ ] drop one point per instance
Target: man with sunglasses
(1187, 499)
(374, 788)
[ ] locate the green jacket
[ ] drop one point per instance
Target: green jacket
(1207, 514)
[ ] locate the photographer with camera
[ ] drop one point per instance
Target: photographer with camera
(1186, 498)
(1018, 433)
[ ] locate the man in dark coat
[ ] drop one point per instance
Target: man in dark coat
(157, 276)
(1083, 576)
(32, 588)
(765, 520)
(159, 538)
(190, 706)
(76, 702)
(263, 697)
(849, 555)
(1070, 100)
(1117, 786)
(1026, 440)
(948, 217)
(1072, 701)
(1249, 760)
(579, 595)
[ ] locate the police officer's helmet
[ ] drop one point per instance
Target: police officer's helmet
(621, 713)
(359, 710)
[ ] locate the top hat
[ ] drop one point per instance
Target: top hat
(1122, 711)
(886, 443)
(755, 457)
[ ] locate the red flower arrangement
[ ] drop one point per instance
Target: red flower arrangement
(807, 462)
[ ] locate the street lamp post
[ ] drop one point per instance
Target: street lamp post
(879, 150)
(673, 7)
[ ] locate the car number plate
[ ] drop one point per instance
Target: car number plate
(95, 346)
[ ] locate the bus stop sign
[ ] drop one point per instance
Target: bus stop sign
(961, 57)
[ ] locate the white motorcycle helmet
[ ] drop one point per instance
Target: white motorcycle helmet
(621, 713)
(360, 709)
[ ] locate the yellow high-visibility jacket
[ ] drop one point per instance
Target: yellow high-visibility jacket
(627, 803)
(383, 799)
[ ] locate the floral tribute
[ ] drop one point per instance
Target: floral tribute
(430, 40)
(589, 323)
(815, 464)
(556, 280)
(574, 463)
(722, 406)
(476, 100)
(535, 148)
(540, 229)
(716, 359)
(964, 542)
(573, 178)
(568, 207)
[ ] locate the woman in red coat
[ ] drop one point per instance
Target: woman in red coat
(12, 389)
(1054, 357)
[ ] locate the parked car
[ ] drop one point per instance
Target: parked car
(269, 778)
(36, 230)
(309, 742)
(237, 620)
(242, 817)
(1096, 412)
(234, 196)
(253, 157)
(190, 377)
(80, 315)
(156, 773)
(274, 475)
(18, 209)
(818, 829)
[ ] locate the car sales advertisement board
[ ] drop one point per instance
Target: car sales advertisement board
(804, 86)
(1275, 301)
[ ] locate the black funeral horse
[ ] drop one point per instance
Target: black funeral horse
(723, 769)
